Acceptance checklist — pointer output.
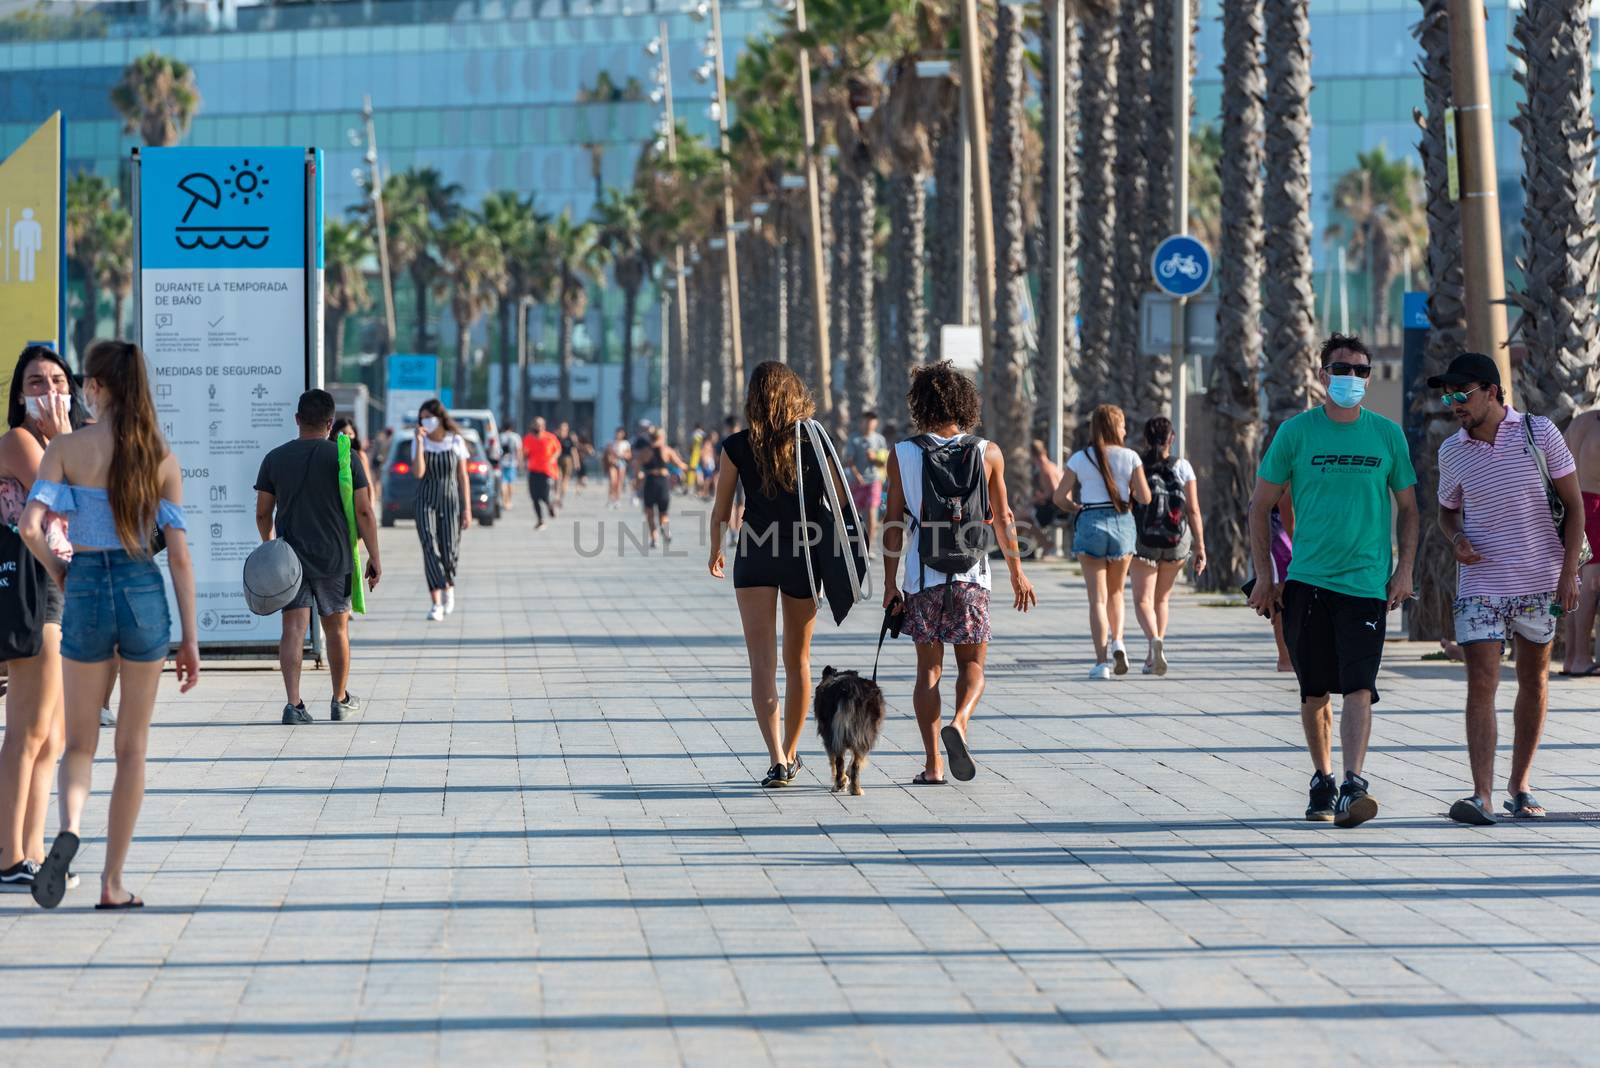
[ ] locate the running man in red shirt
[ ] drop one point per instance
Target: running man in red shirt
(542, 451)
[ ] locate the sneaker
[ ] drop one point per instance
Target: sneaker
(344, 708)
(72, 880)
(777, 775)
(1102, 670)
(449, 601)
(436, 614)
(1119, 658)
(108, 718)
(1356, 806)
(1158, 656)
(18, 879)
(1324, 797)
(293, 714)
(794, 768)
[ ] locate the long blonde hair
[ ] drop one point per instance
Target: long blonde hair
(1106, 425)
(137, 447)
(775, 401)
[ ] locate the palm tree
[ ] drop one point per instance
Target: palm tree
(90, 199)
(1436, 572)
(1233, 399)
(473, 267)
(578, 259)
(1008, 403)
(1132, 264)
(1071, 286)
(1382, 198)
(1559, 321)
(1286, 206)
(345, 247)
(418, 203)
(1098, 210)
(157, 99)
(624, 234)
(519, 230)
(115, 267)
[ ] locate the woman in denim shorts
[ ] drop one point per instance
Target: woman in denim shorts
(1097, 488)
(117, 484)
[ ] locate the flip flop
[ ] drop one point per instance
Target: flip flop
(117, 906)
(50, 881)
(1594, 669)
(1519, 807)
(955, 751)
(921, 779)
(1469, 810)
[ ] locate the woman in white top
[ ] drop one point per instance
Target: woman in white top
(1099, 486)
(443, 503)
(1157, 561)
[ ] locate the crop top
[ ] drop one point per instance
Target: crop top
(89, 511)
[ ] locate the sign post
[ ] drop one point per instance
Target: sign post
(1181, 266)
(228, 259)
(32, 212)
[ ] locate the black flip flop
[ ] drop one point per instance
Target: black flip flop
(1469, 810)
(118, 906)
(921, 779)
(955, 751)
(1519, 806)
(50, 881)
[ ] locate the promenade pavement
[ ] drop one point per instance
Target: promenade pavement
(543, 843)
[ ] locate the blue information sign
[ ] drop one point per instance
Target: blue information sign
(408, 371)
(1181, 265)
(1415, 311)
(222, 208)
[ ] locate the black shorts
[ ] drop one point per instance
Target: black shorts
(657, 493)
(768, 564)
(1335, 640)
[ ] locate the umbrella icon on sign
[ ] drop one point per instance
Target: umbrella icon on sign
(202, 189)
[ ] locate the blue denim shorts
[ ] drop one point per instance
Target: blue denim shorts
(1104, 534)
(116, 604)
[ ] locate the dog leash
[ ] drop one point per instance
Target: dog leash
(892, 620)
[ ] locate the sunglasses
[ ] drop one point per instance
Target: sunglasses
(1458, 397)
(1360, 370)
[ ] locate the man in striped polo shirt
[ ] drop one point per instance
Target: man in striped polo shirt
(1517, 572)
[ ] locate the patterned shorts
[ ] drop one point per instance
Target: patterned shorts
(1496, 619)
(965, 622)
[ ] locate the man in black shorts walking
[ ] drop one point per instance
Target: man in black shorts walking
(1349, 470)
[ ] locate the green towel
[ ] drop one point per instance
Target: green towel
(347, 494)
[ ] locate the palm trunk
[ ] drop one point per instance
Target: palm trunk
(564, 408)
(908, 207)
(1432, 616)
(802, 316)
(630, 310)
(463, 385)
(944, 239)
(858, 195)
(333, 342)
(508, 347)
(1071, 288)
(1232, 404)
(1559, 320)
(419, 286)
(89, 320)
(1136, 110)
(119, 301)
(1010, 417)
(1286, 206)
(781, 280)
(840, 298)
(1098, 211)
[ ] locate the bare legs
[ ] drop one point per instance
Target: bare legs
(1580, 625)
(1105, 580)
(291, 647)
(758, 611)
(1152, 596)
(35, 732)
(1483, 680)
(927, 702)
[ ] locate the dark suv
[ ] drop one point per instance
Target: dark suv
(400, 483)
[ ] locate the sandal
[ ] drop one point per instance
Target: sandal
(50, 882)
(921, 779)
(955, 751)
(1522, 805)
(117, 906)
(1470, 810)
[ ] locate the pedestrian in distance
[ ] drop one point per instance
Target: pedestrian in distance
(1042, 513)
(1583, 441)
(39, 410)
(936, 560)
(1350, 470)
(1517, 571)
(771, 576)
(510, 457)
(541, 450)
(566, 463)
(439, 458)
(116, 482)
(656, 463)
(615, 459)
(358, 455)
(1170, 535)
(867, 460)
(298, 499)
(1098, 488)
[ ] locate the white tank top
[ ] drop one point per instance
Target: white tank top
(909, 456)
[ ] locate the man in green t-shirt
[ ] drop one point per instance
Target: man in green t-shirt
(1348, 470)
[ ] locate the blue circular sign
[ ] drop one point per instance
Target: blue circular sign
(1181, 265)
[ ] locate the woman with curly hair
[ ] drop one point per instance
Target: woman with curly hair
(940, 607)
(769, 566)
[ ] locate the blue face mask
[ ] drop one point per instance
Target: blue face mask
(1346, 390)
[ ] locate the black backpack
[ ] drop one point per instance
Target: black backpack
(953, 534)
(1162, 523)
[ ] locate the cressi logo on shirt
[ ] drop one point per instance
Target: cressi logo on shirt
(1345, 463)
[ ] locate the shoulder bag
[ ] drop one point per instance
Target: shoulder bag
(1558, 507)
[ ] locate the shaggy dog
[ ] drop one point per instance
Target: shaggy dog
(849, 711)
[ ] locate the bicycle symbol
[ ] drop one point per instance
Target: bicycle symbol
(1177, 264)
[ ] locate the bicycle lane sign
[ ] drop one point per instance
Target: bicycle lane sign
(1181, 265)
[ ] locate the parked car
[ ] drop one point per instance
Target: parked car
(400, 482)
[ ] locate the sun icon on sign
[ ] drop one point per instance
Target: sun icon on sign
(246, 181)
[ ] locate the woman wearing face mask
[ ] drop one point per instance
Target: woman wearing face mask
(116, 482)
(38, 411)
(439, 458)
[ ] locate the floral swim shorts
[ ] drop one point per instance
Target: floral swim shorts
(1495, 619)
(964, 622)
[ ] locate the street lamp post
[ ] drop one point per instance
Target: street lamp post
(1056, 168)
(375, 180)
(732, 242)
(681, 305)
(978, 130)
(1180, 217)
(819, 283)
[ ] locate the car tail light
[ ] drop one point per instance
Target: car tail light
(401, 468)
(477, 467)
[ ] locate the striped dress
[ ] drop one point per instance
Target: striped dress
(438, 510)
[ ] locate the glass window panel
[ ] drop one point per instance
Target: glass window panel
(481, 122)
(506, 126)
(398, 128)
(384, 39)
(408, 38)
(429, 134)
(280, 45)
(234, 46)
